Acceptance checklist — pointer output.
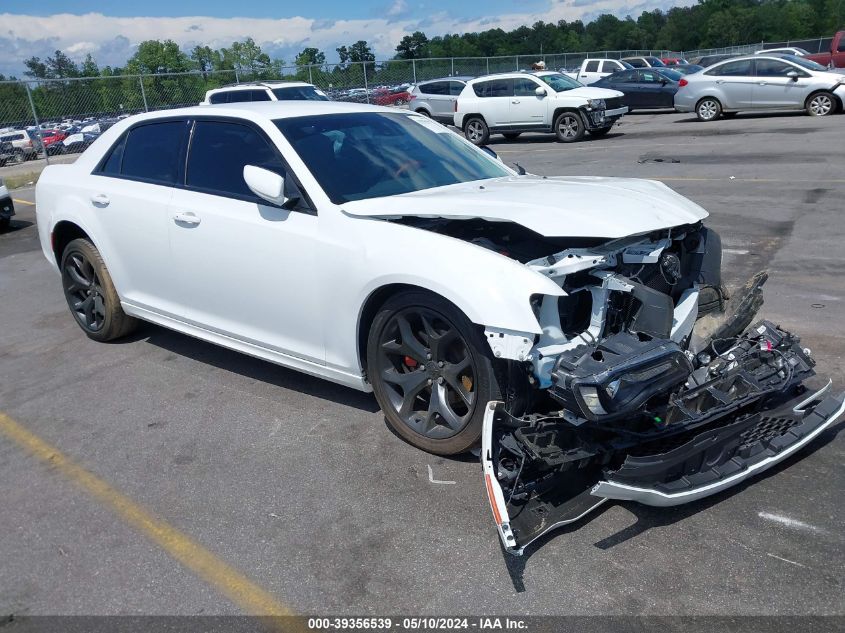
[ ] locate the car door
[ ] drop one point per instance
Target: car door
(441, 100)
(527, 108)
(131, 193)
(247, 269)
(590, 72)
(496, 101)
(773, 89)
(734, 83)
(626, 83)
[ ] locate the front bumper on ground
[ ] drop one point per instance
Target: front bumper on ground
(7, 207)
(706, 464)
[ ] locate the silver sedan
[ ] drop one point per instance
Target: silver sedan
(761, 82)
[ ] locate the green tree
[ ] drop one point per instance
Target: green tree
(310, 57)
(413, 46)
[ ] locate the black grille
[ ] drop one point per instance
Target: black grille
(613, 103)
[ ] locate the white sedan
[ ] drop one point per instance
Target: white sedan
(575, 327)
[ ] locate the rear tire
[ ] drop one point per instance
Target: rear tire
(729, 115)
(708, 109)
(569, 127)
(432, 372)
(5, 223)
(476, 130)
(423, 112)
(511, 136)
(90, 293)
(821, 104)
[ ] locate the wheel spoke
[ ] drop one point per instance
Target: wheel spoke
(410, 344)
(452, 373)
(76, 277)
(88, 309)
(438, 404)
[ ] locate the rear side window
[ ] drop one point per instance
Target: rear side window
(219, 97)
(591, 67)
(240, 96)
(610, 66)
(456, 87)
(152, 152)
(435, 88)
(494, 88)
(112, 165)
(740, 68)
(636, 63)
(220, 150)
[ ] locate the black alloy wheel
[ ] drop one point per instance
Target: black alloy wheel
(90, 293)
(84, 292)
(432, 372)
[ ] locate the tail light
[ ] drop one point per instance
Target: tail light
(412, 97)
(683, 82)
(456, 105)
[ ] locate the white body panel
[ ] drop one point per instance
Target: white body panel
(290, 286)
(603, 67)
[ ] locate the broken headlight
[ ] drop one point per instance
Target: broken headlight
(618, 376)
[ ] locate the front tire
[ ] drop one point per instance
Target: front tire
(476, 131)
(5, 223)
(431, 371)
(708, 109)
(569, 127)
(821, 104)
(90, 293)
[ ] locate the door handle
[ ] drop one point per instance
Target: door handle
(762, 83)
(100, 200)
(720, 81)
(515, 101)
(186, 218)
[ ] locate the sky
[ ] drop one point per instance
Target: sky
(111, 31)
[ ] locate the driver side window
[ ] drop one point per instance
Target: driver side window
(218, 153)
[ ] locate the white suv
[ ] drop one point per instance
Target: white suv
(513, 103)
(265, 91)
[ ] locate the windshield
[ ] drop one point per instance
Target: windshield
(674, 75)
(560, 83)
(806, 63)
(363, 155)
(299, 93)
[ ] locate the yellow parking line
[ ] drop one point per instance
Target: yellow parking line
(238, 588)
(32, 204)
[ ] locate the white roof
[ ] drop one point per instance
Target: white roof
(266, 110)
(263, 84)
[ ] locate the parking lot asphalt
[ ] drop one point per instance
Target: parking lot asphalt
(297, 484)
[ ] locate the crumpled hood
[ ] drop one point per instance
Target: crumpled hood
(588, 92)
(553, 207)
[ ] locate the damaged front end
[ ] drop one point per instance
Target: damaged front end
(648, 385)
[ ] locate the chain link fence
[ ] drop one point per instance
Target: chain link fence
(81, 108)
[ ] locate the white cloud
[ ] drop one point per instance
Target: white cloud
(111, 39)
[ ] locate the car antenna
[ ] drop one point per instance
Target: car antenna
(520, 169)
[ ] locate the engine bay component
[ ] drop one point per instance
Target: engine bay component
(618, 375)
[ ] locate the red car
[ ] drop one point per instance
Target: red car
(52, 140)
(394, 97)
(673, 61)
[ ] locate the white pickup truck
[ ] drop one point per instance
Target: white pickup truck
(594, 69)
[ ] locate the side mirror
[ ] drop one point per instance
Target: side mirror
(663, 82)
(793, 75)
(540, 91)
(265, 184)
